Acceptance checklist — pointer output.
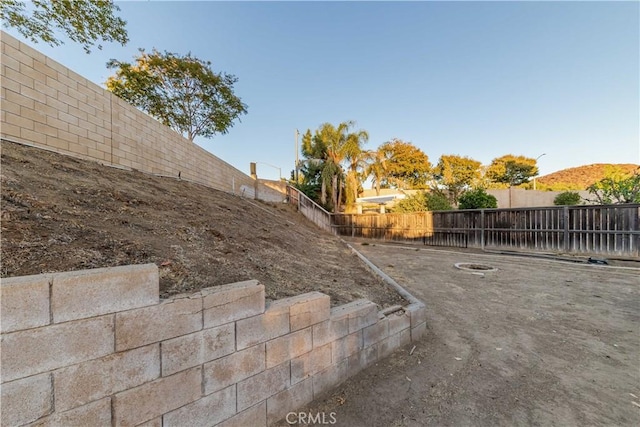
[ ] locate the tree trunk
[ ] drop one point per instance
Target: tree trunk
(339, 201)
(356, 184)
(334, 192)
(323, 193)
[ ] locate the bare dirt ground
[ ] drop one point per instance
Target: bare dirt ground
(62, 214)
(537, 342)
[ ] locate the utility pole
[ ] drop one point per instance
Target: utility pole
(297, 163)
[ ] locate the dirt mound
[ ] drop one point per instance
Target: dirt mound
(61, 214)
(579, 178)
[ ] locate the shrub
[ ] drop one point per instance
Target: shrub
(415, 203)
(477, 199)
(567, 198)
(438, 202)
(616, 188)
(421, 202)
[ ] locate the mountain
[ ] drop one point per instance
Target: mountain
(579, 178)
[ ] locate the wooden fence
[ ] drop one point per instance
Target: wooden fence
(606, 229)
(609, 229)
(389, 226)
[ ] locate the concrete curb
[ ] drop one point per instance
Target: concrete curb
(388, 280)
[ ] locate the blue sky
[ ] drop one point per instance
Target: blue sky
(481, 79)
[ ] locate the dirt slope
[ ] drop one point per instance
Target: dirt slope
(579, 178)
(61, 214)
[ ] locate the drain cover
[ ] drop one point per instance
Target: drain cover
(468, 266)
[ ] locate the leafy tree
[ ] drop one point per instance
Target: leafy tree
(567, 198)
(313, 148)
(616, 188)
(407, 165)
(512, 170)
(182, 92)
(456, 173)
(421, 202)
(477, 199)
(83, 21)
(314, 153)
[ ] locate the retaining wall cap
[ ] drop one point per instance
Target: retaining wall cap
(289, 301)
(222, 288)
(94, 271)
(17, 280)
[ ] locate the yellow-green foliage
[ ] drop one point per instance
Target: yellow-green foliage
(512, 170)
(421, 202)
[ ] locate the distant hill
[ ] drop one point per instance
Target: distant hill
(579, 178)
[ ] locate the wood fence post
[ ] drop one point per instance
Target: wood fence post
(353, 222)
(565, 215)
(482, 229)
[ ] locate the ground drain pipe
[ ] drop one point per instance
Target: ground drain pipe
(402, 291)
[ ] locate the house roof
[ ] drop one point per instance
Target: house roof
(380, 199)
(383, 192)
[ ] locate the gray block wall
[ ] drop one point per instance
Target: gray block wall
(47, 105)
(98, 347)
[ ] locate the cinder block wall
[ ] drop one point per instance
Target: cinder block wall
(47, 105)
(98, 348)
(521, 198)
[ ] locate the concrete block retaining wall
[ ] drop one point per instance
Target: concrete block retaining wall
(98, 347)
(49, 106)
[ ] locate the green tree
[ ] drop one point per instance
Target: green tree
(512, 170)
(477, 199)
(567, 198)
(421, 202)
(83, 21)
(330, 147)
(456, 173)
(617, 188)
(182, 92)
(407, 165)
(314, 153)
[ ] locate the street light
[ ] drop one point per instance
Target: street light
(297, 162)
(534, 178)
(275, 167)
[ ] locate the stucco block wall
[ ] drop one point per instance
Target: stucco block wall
(520, 198)
(98, 347)
(47, 105)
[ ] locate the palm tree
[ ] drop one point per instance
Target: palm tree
(355, 156)
(340, 145)
(377, 167)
